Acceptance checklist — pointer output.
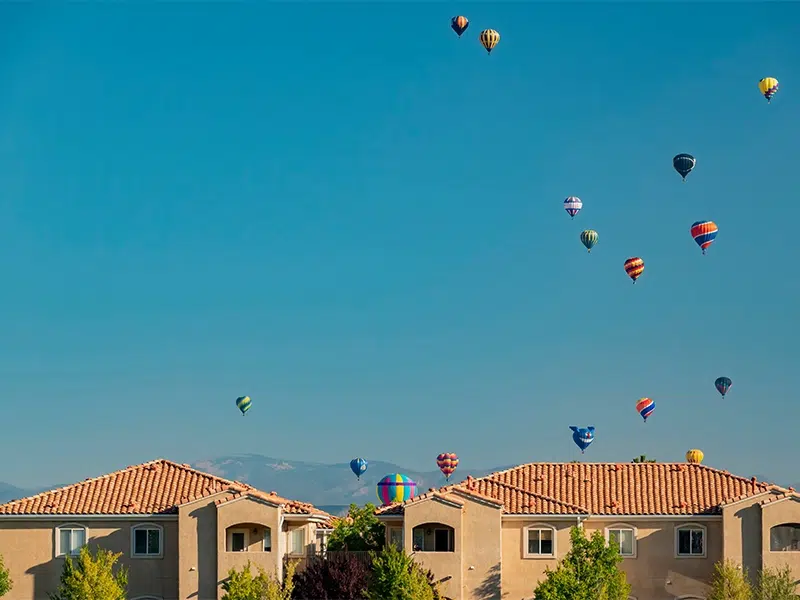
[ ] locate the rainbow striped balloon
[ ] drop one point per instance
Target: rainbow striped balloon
(395, 487)
(645, 407)
(704, 233)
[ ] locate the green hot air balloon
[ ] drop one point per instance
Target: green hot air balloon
(243, 404)
(589, 238)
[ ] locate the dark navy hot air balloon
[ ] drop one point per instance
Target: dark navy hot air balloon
(583, 437)
(358, 466)
(723, 384)
(684, 163)
(459, 24)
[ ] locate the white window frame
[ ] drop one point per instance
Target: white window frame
(398, 530)
(691, 526)
(792, 524)
(267, 530)
(538, 527)
(229, 539)
(59, 552)
(147, 527)
(291, 533)
(623, 527)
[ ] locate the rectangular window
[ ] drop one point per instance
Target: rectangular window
(690, 542)
(622, 539)
(70, 541)
(540, 541)
(298, 541)
(419, 539)
(146, 542)
(396, 537)
(237, 541)
(267, 540)
(442, 540)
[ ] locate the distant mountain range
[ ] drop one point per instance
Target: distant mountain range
(331, 487)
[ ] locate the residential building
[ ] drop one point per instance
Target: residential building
(494, 537)
(179, 531)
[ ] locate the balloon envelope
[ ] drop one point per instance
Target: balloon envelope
(768, 87)
(358, 466)
(704, 233)
(447, 463)
(645, 407)
(683, 164)
(582, 436)
(589, 238)
(723, 384)
(573, 205)
(459, 24)
(694, 456)
(634, 267)
(243, 403)
(395, 487)
(489, 39)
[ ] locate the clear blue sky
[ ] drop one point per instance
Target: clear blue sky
(354, 217)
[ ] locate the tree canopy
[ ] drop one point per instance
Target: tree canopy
(395, 576)
(360, 530)
(92, 577)
(589, 571)
(244, 585)
(731, 582)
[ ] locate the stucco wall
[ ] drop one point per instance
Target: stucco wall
(28, 549)
(778, 513)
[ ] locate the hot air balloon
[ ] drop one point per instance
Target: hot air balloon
(589, 238)
(447, 463)
(704, 233)
(243, 404)
(684, 163)
(358, 466)
(573, 206)
(723, 384)
(583, 437)
(395, 487)
(768, 87)
(634, 267)
(459, 24)
(645, 407)
(489, 39)
(694, 456)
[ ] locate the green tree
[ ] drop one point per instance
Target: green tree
(5, 579)
(729, 582)
(774, 584)
(589, 571)
(244, 585)
(395, 576)
(360, 530)
(643, 459)
(92, 577)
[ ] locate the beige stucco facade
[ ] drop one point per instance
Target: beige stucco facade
(195, 546)
(488, 559)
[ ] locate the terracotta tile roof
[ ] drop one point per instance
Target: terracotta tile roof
(610, 489)
(291, 507)
(155, 487)
(780, 495)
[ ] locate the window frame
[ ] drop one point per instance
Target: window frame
(267, 531)
(399, 531)
(57, 550)
(633, 530)
(695, 527)
(526, 536)
(794, 525)
(147, 527)
(291, 549)
(229, 539)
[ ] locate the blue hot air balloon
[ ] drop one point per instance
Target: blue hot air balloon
(583, 437)
(358, 466)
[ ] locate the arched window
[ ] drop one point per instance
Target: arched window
(785, 538)
(539, 541)
(70, 538)
(433, 537)
(623, 536)
(147, 541)
(690, 541)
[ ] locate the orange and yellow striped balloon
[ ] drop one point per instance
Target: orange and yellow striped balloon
(489, 39)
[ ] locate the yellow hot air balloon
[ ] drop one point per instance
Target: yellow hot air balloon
(768, 87)
(489, 39)
(694, 456)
